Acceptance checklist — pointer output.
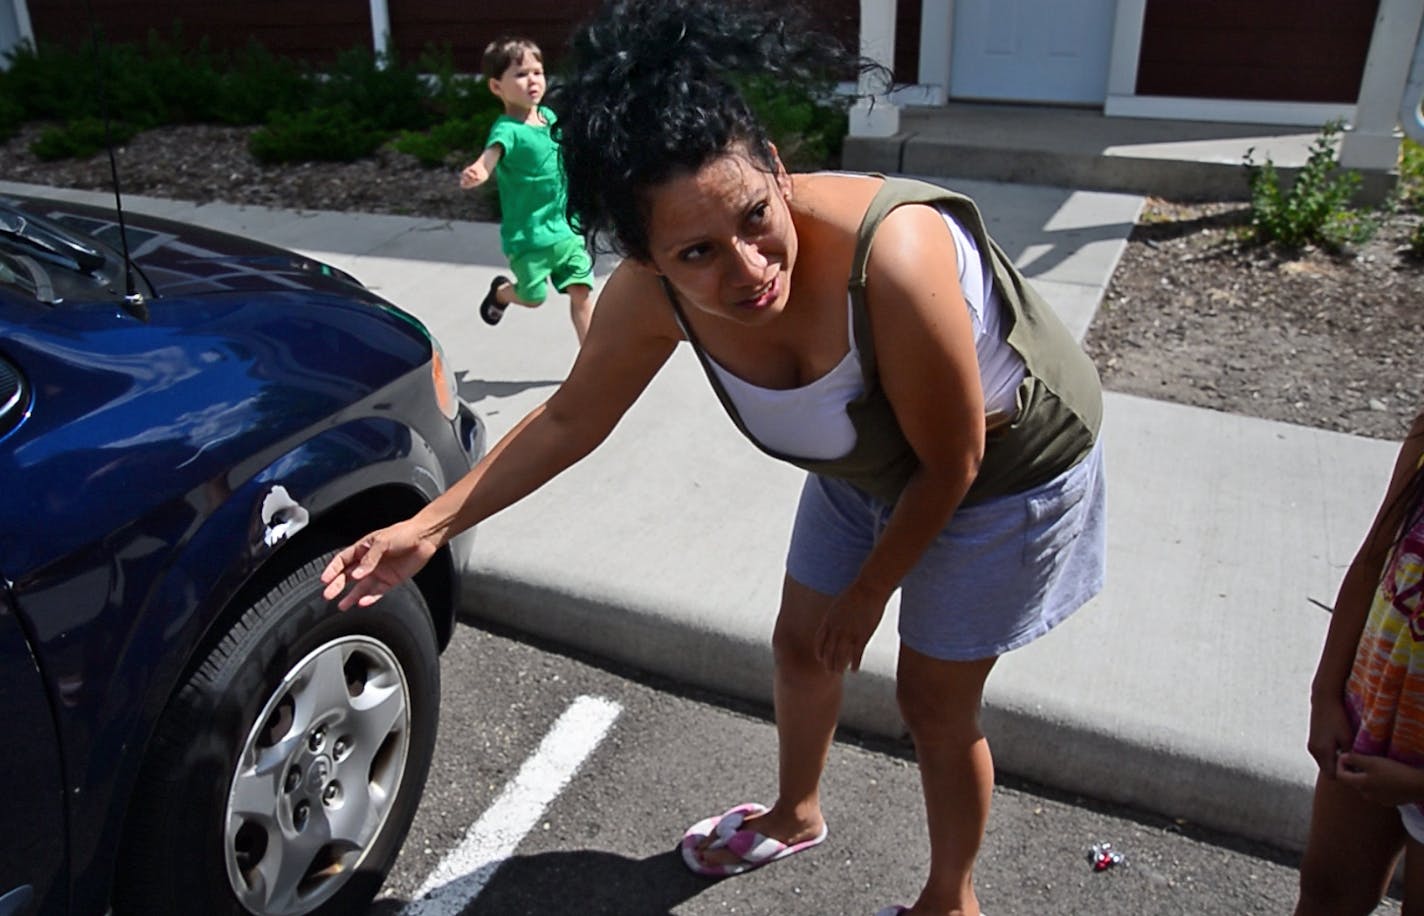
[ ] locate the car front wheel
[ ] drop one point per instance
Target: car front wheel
(286, 771)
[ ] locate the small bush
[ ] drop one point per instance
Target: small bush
(164, 82)
(1411, 174)
(456, 96)
(1415, 245)
(389, 95)
(257, 84)
(80, 139)
(808, 124)
(341, 114)
(466, 108)
(43, 84)
(11, 117)
(320, 134)
(461, 138)
(1316, 207)
(423, 146)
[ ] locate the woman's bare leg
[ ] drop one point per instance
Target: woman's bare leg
(940, 703)
(808, 702)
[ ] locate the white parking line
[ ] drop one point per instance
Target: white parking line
(465, 871)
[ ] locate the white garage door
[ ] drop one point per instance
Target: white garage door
(1031, 50)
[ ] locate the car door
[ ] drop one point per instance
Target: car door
(32, 826)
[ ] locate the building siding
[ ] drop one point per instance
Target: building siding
(310, 31)
(1265, 50)
(317, 30)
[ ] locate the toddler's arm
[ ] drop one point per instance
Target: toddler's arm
(479, 171)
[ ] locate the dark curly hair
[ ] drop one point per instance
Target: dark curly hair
(651, 93)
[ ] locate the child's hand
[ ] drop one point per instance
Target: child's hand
(1381, 780)
(479, 171)
(1330, 734)
(473, 176)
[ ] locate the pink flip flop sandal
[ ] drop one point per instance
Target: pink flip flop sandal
(752, 848)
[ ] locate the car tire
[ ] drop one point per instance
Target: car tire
(286, 771)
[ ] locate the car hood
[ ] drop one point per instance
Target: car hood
(183, 260)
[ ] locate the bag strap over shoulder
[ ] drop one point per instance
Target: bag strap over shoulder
(893, 192)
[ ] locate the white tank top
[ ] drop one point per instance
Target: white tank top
(811, 422)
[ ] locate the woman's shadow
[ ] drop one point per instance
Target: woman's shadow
(474, 390)
(589, 882)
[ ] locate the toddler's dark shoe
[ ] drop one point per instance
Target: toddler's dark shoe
(491, 309)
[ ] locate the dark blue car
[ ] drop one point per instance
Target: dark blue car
(184, 441)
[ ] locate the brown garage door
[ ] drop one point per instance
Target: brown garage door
(317, 29)
(312, 31)
(1268, 50)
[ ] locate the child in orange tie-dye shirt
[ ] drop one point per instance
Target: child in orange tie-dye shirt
(1367, 714)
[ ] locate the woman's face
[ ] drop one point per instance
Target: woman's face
(723, 237)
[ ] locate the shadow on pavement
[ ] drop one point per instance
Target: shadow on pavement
(474, 390)
(587, 881)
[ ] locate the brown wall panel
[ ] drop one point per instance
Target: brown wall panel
(314, 30)
(466, 28)
(317, 29)
(1266, 50)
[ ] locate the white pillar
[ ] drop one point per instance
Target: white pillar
(381, 28)
(873, 114)
(22, 20)
(936, 35)
(1126, 47)
(1372, 142)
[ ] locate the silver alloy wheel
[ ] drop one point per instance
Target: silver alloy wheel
(317, 777)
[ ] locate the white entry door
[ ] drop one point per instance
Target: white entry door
(1031, 50)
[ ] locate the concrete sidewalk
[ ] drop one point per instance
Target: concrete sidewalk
(1182, 689)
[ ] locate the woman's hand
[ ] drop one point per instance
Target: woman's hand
(377, 563)
(1330, 733)
(847, 628)
(1381, 780)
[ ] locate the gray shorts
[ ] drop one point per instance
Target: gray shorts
(1413, 821)
(1002, 573)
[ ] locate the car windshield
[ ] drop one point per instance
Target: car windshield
(24, 274)
(47, 262)
(49, 242)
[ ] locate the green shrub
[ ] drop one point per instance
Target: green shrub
(341, 114)
(808, 124)
(389, 94)
(257, 84)
(423, 146)
(11, 117)
(456, 96)
(318, 134)
(461, 138)
(158, 83)
(1411, 174)
(80, 139)
(464, 106)
(44, 83)
(178, 84)
(1415, 247)
(1316, 207)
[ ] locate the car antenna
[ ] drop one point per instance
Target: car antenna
(133, 300)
